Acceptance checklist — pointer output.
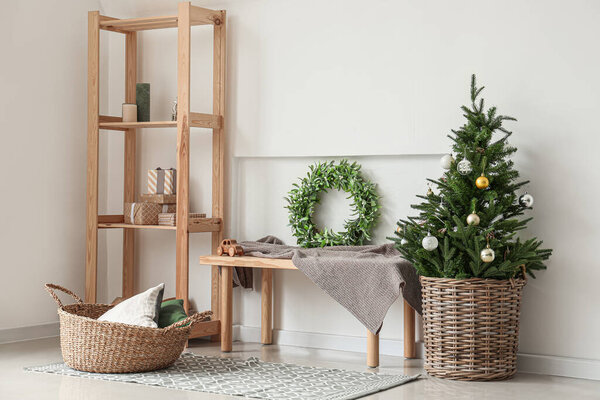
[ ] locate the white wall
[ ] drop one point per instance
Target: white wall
(43, 79)
(380, 81)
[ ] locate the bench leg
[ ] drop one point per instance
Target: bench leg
(226, 308)
(266, 323)
(372, 350)
(409, 332)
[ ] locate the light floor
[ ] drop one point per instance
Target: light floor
(18, 384)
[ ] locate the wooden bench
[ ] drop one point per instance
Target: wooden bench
(267, 265)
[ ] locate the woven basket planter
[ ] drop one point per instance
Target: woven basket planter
(110, 347)
(471, 327)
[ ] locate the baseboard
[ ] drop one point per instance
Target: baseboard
(581, 368)
(390, 347)
(531, 363)
(29, 332)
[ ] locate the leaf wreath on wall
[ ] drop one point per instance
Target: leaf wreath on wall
(304, 197)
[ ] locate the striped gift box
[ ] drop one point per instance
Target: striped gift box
(170, 218)
(162, 181)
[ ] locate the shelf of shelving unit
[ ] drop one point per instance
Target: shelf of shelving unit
(196, 120)
(195, 16)
(109, 225)
(129, 125)
(186, 17)
(195, 225)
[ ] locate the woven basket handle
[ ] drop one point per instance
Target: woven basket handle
(198, 317)
(50, 286)
(524, 270)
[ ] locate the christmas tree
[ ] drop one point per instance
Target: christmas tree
(468, 227)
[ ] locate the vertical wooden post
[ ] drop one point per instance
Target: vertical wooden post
(129, 168)
(372, 350)
(226, 308)
(183, 155)
(410, 350)
(218, 151)
(266, 320)
(93, 110)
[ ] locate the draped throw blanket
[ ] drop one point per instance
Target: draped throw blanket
(366, 280)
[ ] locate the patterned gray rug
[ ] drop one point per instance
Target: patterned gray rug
(251, 378)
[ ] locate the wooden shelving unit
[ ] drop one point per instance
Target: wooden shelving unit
(186, 17)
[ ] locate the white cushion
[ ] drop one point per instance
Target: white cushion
(141, 309)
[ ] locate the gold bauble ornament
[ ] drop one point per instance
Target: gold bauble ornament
(473, 219)
(482, 182)
(429, 192)
(487, 255)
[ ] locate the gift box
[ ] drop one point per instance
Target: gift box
(170, 219)
(145, 213)
(159, 198)
(162, 181)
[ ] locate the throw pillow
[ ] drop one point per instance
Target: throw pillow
(142, 309)
(171, 311)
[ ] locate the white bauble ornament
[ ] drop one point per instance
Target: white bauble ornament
(487, 255)
(446, 161)
(429, 242)
(401, 231)
(526, 200)
(464, 167)
(497, 218)
(473, 219)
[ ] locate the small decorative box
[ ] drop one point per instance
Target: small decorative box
(169, 219)
(162, 181)
(159, 198)
(145, 213)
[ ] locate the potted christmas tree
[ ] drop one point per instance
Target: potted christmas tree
(464, 245)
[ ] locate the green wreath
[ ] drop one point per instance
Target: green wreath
(303, 198)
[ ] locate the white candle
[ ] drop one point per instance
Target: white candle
(129, 112)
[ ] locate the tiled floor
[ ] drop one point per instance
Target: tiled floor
(18, 384)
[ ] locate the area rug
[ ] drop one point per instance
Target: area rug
(251, 378)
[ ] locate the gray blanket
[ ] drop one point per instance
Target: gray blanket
(366, 280)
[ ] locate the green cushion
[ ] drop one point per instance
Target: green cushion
(171, 311)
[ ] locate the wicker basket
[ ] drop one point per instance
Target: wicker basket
(471, 327)
(110, 347)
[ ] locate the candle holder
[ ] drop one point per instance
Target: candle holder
(129, 112)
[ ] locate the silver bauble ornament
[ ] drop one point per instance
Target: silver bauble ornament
(526, 200)
(464, 167)
(429, 242)
(473, 219)
(403, 242)
(487, 255)
(446, 161)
